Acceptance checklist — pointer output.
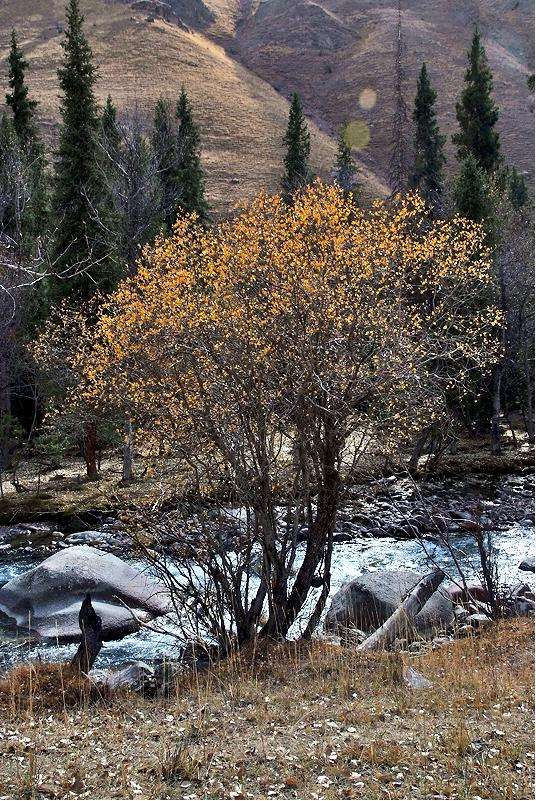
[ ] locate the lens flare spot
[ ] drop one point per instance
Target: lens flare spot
(357, 134)
(368, 98)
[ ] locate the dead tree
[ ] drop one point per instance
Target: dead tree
(91, 643)
(406, 612)
(398, 161)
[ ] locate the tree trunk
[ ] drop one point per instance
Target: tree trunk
(496, 411)
(5, 407)
(418, 449)
(529, 408)
(91, 643)
(319, 542)
(90, 450)
(128, 451)
(410, 606)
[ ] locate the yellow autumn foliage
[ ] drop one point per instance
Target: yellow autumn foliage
(287, 314)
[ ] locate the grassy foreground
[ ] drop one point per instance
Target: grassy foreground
(313, 722)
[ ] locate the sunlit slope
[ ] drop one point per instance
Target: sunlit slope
(242, 118)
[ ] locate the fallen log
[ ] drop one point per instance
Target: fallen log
(91, 643)
(402, 617)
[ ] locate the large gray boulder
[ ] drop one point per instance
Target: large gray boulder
(45, 601)
(527, 564)
(368, 600)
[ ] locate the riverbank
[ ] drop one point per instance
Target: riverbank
(321, 722)
(64, 495)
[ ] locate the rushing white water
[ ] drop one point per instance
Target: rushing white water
(363, 553)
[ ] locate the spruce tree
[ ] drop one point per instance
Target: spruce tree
(109, 128)
(80, 255)
(190, 178)
(297, 141)
(518, 191)
(165, 146)
(108, 164)
(472, 195)
(22, 107)
(477, 113)
(345, 171)
(10, 159)
(428, 142)
(34, 213)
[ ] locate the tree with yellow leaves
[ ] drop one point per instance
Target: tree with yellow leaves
(271, 355)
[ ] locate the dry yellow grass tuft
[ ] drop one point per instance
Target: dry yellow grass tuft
(35, 688)
(296, 722)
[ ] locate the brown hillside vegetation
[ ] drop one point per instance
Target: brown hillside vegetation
(313, 722)
(242, 118)
(333, 50)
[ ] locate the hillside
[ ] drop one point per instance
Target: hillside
(241, 59)
(242, 117)
(333, 51)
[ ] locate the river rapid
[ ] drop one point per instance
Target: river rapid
(384, 525)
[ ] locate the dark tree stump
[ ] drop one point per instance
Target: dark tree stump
(91, 643)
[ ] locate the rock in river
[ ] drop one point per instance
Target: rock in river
(45, 601)
(527, 564)
(368, 600)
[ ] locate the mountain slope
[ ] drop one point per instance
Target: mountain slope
(241, 59)
(141, 57)
(332, 51)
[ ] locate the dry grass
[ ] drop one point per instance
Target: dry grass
(296, 723)
(40, 687)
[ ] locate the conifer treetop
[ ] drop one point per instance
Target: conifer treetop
(477, 112)
(22, 107)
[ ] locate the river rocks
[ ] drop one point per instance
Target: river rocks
(138, 677)
(367, 601)
(45, 601)
(478, 620)
(527, 564)
(416, 680)
(473, 591)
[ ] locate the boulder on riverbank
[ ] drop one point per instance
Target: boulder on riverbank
(369, 600)
(527, 564)
(45, 601)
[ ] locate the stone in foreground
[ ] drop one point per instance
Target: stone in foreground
(527, 564)
(138, 677)
(45, 601)
(369, 600)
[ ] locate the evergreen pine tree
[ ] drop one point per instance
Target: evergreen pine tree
(165, 145)
(109, 128)
(472, 194)
(345, 171)
(108, 164)
(428, 143)
(190, 178)
(297, 141)
(80, 252)
(477, 113)
(22, 107)
(10, 158)
(518, 191)
(34, 214)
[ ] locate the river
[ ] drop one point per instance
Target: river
(374, 531)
